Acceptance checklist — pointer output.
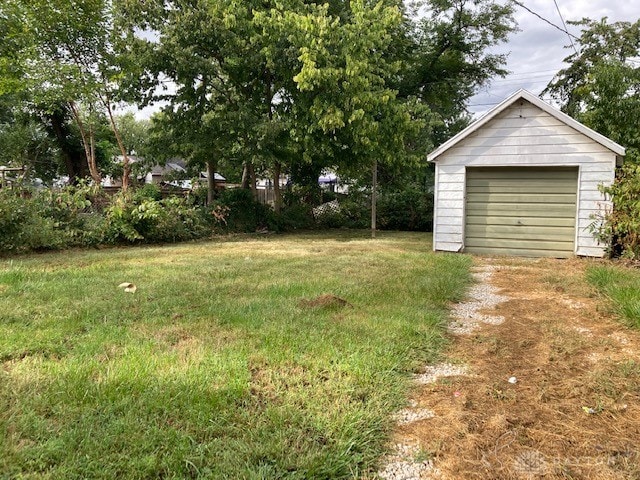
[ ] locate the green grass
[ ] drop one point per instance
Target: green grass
(622, 286)
(214, 368)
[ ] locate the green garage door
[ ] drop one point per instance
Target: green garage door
(526, 211)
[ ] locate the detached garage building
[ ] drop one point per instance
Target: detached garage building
(522, 180)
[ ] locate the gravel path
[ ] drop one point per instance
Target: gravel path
(406, 462)
(465, 315)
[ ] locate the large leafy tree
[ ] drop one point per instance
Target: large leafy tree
(205, 51)
(601, 84)
(285, 85)
(63, 60)
(299, 86)
(601, 88)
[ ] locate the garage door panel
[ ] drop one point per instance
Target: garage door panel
(522, 252)
(519, 232)
(514, 244)
(515, 179)
(522, 221)
(513, 187)
(521, 211)
(522, 198)
(528, 210)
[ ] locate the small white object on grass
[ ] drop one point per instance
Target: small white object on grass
(513, 380)
(128, 287)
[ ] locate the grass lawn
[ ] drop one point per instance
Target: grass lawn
(221, 365)
(622, 286)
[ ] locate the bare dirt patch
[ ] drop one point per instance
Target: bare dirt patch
(324, 301)
(572, 407)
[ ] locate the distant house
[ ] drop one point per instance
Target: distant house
(174, 173)
(160, 173)
(522, 180)
(331, 182)
(171, 174)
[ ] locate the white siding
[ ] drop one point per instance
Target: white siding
(449, 214)
(523, 134)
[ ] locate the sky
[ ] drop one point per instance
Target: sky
(537, 50)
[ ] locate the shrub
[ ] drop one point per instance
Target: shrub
(23, 225)
(70, 208)
(294, 217)
(141, 218)
(148, 191)
(244, 213)
(620, 228)
(408, 209)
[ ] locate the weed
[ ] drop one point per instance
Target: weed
(620, 285)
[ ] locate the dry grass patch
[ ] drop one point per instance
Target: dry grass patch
(574, 411)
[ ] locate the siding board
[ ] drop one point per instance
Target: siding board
(527, 148)
(516, 137)
(520, 221)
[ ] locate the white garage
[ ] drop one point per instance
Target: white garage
(522, 180)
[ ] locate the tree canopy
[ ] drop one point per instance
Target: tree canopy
(63, 60)
(601, 88)
(302, 86)
(269, 87)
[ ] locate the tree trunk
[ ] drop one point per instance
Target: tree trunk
(374, 199)
(126, 164)
(74, 163)
(249, 178)
(211, 181)
(244, 183)
(277, 193)
(252, 181)
(86, 143)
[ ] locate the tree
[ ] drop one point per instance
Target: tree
(298, 87)
(202, 48)
(601, 88)
(345, 115)
(65, 61)
(26, 144)
(601, 85)
(448, 56)
(134, 133)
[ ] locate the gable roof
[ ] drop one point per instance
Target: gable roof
(528, 96)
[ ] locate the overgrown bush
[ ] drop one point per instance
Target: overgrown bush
(140, 217)
(83, 215)
(620, 228)
(23, 226)
(408, 209)
(293, 217)
(74, 210)
(244, 213)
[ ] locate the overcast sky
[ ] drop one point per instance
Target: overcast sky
(537, 50)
